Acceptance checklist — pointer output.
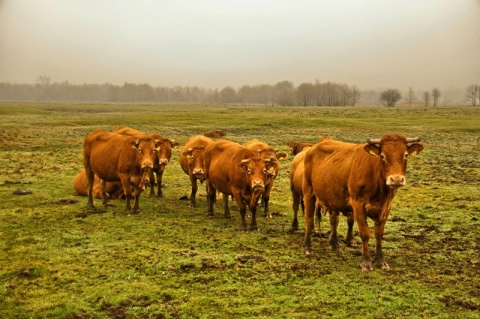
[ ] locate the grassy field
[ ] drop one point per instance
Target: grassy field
(59, 259)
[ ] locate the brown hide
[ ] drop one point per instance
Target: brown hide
(362, 178)
(297, 147)
(215, 133)
(80, 184)
(237, 171)
(192, 163)
(114, 157)
(264, 151)
(162, 156)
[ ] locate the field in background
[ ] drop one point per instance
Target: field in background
(59, 259)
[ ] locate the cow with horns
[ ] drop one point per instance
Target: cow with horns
(358, 178)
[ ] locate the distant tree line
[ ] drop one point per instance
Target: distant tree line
(283, 93)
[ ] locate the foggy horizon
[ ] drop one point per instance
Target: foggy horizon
(372, 44)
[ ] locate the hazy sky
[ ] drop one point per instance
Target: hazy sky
(212, 44)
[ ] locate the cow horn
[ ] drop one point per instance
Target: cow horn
(373, 141)
(246, 160)
(413, 139)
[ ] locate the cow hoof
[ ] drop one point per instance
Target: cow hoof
(307, 251)
(383, 265)
(366, 266)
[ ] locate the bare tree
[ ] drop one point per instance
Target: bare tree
(390, 97)
(305, 92)
(228, 95)
(345, 94)
(473, 92)
(426, 98)
(356, 94)
(284, 93)
(411, 96)
(436, 96)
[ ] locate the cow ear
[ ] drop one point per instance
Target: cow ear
(372, 149)
(175, 144)
(282, 155)
(414, 149)
(243, 165)
(135, 144)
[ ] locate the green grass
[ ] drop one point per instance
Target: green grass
(59, 259)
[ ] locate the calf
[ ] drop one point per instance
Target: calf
(192, 163)
(114, 157)
(297, 147)
(235, 171)
(113, 189)
(215, 133)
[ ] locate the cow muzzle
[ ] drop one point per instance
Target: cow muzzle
(147, 164)
(396, 181)
(199, 173)
(163, 161)
(258, 185)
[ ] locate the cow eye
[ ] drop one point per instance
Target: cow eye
(406, 155)
(249, 171)
(382, 156)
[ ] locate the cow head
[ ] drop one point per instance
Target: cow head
(273, 155)
(195, 162)
(256, 170)
(165, 146)
(146, 150)
(393, 151)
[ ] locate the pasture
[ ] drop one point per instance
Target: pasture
(59, 259)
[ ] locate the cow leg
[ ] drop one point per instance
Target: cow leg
(361, 219)
(225, 206)
(159, 180)
(266, 199)
(211, 191)
(127, 188)
(90, 178)
(350, 240)
(136, 206)
(152, 182)
(242, 207)
(103, 188)
(317, 219)
(379, 228)
(193, 181)
(296, 203)
(309, 202)
(334, 218)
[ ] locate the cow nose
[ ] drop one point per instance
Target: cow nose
(148, 164)
(257, 184)
(396, 180)
(197, 171)
(163, 161)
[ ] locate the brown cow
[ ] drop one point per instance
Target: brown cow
(162, 157)
(266, 152)
(215, 133)
(80, 184)
(235, 171)
(297, 147)
(191, 161)
(358, 178)
(114, 157)
(297, 172)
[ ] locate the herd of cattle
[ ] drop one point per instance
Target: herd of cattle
(356, 180)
